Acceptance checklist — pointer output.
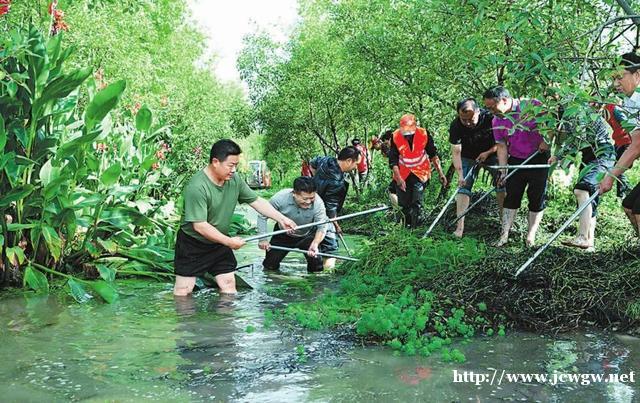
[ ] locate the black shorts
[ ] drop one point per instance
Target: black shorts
(533, 180)
(392, 187)
(632, 201)
(194, 258)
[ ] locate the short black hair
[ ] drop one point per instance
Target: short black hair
(349, 152)
(498, 92)
(355, 141)
(387, 135)
(630, 61)
(467, 104)
(221, 149)
(304, 184)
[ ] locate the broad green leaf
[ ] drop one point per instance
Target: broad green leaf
(15, 194)
(21, 135)
(148, 162)
(17, 226)
(54, 243)
(122, 217)
(144, 119)
(102, 104)
(60, 87)
(110, 175)
(45, 173)
(35, 279)
(3, 134)
(70, 147)
(1, 240)
(52, 188)
(12, 88)
(106, 272)
(105, 290)
(108, 245)
(6, 158)
(15, 253)
(77, 291)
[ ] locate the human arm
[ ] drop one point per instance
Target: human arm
(211, 233)
(482, 157)
(503, 157)
(456, 158)
(265, 208)
(315, 244)
(432, 152)
(626, 160)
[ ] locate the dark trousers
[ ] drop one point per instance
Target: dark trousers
(411, 200)
(622, 187)
(274, 257)
(534, 181)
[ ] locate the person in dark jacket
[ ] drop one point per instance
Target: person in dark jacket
(332, 187)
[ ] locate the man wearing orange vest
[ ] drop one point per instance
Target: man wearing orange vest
(412, 153)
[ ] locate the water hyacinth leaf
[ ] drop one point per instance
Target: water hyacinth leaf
(111, 175)
(35, 279)
(144, 119)
(105, 290)
(103, 103)
(77, 291)
(15, 194)
(107, 273)
(54, 243)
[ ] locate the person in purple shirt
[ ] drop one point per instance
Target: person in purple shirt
(517, 138)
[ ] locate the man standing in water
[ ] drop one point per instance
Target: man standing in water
(303, 206)
(203, 244)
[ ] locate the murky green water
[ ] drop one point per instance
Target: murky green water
(152, 346)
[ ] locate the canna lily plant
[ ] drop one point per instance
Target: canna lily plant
(78, 192)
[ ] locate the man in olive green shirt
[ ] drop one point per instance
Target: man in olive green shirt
(203, 244)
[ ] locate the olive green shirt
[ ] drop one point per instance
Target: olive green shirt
(206, 201)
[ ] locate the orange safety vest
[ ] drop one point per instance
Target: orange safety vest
(413, 159)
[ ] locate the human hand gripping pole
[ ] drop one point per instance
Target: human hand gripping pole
(488, 192)
(313, 224)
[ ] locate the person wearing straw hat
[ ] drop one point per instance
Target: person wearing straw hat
(472, 142)
(412, 154)
(627, 82)
(302, 205)
(587, 132)
(203, 244)
(517, 138)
